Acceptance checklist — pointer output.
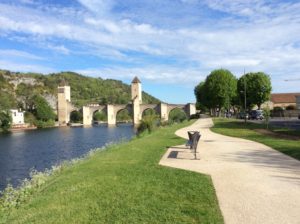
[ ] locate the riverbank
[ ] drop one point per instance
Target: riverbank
(124, 184)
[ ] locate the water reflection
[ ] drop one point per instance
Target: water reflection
(40, 149)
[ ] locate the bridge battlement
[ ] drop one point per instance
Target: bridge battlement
(136, 107)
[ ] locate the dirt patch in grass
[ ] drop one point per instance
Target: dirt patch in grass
(277, 135)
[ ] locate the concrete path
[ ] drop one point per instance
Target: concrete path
(254, 183)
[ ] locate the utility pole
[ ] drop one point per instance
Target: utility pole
(245, 98)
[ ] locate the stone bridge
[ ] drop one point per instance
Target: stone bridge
(136, 107)
(111, 110)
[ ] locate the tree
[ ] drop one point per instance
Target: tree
(99, 116)
(76, 116)
(42, 110)
(7, 101)
(5, 121)
(177, 115)
(258, 88)
(201, 97)
(124, 115)
(25, 92)
(220, 89)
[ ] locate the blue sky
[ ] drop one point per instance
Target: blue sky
(171, 45)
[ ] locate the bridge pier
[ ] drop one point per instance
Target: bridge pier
(136, 112)
(87, 118)
(191, 109)
(111, 116)
(164, 115)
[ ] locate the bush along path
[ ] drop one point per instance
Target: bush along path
(254, 183)
(123, 184)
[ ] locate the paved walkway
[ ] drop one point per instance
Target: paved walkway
(254, 183)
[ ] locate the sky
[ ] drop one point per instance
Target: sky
(171, 45)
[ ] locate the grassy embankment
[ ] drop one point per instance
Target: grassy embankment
(235, 128)
(124, 184)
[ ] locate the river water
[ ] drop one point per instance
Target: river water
(43, 148)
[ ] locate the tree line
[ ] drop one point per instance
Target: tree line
(222, 91)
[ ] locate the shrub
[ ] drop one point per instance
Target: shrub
(267, 114)
(29, 118)
(5, 121)
(177, 115)
(195, 116)
(44, 124)
(291, 107)
(148, 123)
(275, 109)
(43, 110)
(76, 116)
(99, 116)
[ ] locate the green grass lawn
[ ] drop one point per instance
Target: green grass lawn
(124, 184)
(236, 128)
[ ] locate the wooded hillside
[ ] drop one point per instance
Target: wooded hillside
(17, 89)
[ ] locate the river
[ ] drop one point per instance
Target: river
(40, 149)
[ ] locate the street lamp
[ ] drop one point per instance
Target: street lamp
(245, 98)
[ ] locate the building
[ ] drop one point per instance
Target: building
(17, 117)
(285, 99)
(298, 102)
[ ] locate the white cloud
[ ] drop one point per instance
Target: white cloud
(22, 67)
(253, 35)
(98, 6)
(15, 53)
(157, 74)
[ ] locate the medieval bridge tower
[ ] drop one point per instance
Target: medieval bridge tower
(64, 105)
(136, 107)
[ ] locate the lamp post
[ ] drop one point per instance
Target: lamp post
(245, 98)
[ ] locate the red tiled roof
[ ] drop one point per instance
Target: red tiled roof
(284, 97)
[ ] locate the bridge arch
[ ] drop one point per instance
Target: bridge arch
(100, 115)
(75, 116)
(149, 111)
(124, 114)
(147, 107)
(178, 114)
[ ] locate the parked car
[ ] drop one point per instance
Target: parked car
(256, 115)
(242, 115)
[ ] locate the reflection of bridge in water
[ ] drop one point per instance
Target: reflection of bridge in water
(136, 108)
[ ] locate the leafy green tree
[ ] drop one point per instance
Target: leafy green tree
(7, 101)
(177, 115)
(26, 93)
(29, 118)
(258, 88)
(5, 121)
(201, 97)
(124, 115)
(43, 110)
(220, 88)
(100, 116)
(149, 112)
(76, 116)
(148, 123)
